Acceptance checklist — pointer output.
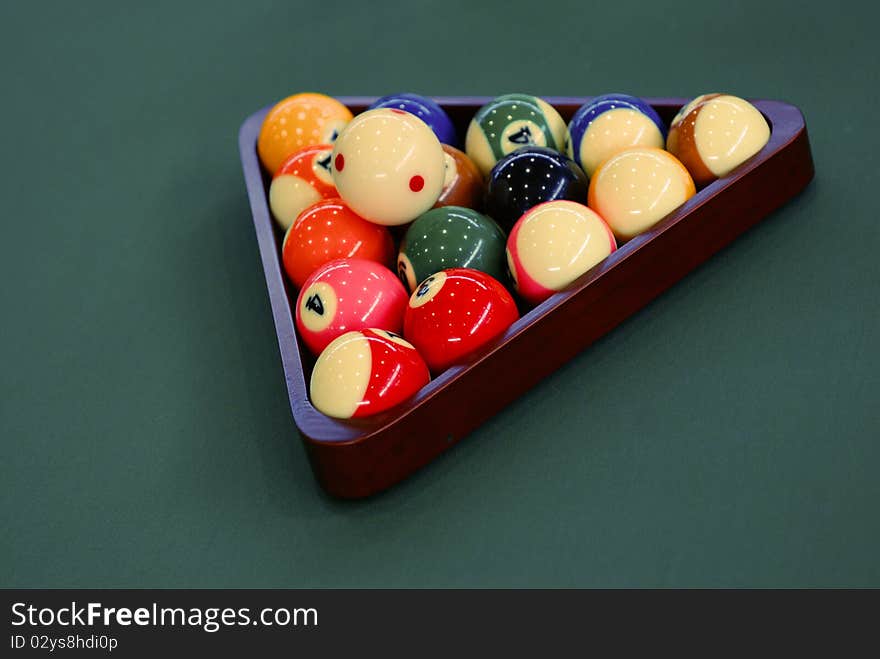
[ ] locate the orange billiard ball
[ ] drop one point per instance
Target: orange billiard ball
(302, 180)
(298, 121)
(328, 230)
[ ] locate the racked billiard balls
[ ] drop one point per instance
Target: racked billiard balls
(329, 230)
(297, 121)
(636, 188)
(510, 122)
(450, 237)
(553, 244)
(366, 372)
(388, 166)
(715, 133)
(454, 313)
(611, 123)
(345, 295)
(462, 181)
(531, 176)
(302, 180)
(426, 109)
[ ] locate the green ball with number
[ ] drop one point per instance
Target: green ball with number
(451, 237)
(510, 122)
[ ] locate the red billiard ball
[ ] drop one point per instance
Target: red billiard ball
(366, 372)
(455, 312)
(345, 295)
(330, 230)
(303, 179)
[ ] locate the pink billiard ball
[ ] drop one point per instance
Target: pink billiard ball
(553, 244)
(302, 180)
(366, 372)
(454, 313)
(345, 295)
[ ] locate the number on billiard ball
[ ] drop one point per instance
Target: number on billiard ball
(301, 181)
(345, 295)
(510, 122)
(454, 313)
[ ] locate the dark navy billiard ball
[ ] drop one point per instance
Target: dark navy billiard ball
(530, 176)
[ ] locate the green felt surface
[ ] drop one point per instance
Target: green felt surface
(728, 434)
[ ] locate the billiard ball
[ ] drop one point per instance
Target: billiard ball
(637, 187)
(366, 372)
(426, 109)
(511, 122)
(531, 176)
(462, 181)
(552, 245)
(715, 133)
(329, 230)
(388, 166)
(609, 124)
(348, 294)
(454, 313)
(450, 237)
(297, 121)
(302, 180)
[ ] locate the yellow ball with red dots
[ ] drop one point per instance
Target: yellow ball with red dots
(552, 245)
(365, 372)
(388, 165)
(298, 121)
(715, 133)
(636, 188)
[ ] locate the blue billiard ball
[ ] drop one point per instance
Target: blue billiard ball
(425, 109)
(530, 176)
(610, 123)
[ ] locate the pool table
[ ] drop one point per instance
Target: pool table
(724, 435)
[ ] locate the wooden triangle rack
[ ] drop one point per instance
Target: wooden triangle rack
(353, 459)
